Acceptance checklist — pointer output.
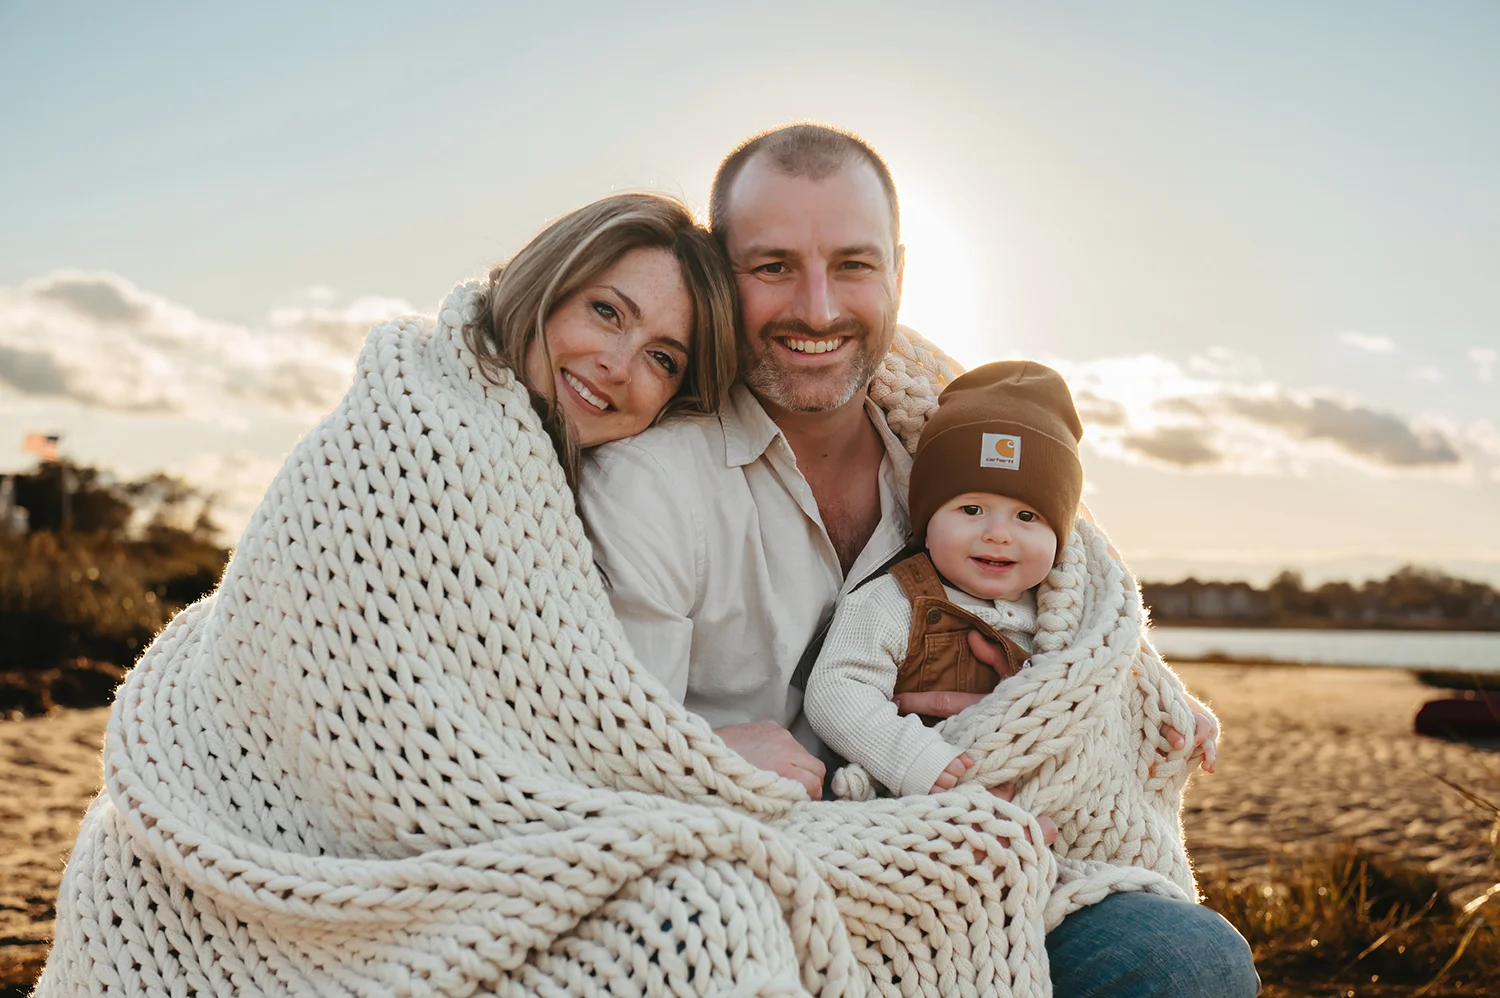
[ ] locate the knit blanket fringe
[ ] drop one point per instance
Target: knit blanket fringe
(404, 749)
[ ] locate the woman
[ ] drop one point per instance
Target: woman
(614, 316)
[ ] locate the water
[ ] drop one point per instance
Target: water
(1456, 651)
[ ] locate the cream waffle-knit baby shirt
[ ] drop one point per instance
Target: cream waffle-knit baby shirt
(848, 696)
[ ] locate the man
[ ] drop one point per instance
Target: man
(728, 539)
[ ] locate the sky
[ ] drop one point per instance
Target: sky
(1260, 240)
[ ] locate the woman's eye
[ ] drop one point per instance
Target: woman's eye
(971, 510)
(1026, 515)
(667, 361)
(605, 310)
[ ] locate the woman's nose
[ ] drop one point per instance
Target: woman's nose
(614, 365)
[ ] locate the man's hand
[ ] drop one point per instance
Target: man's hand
(987, 651)
(767, 745)
(948, 778)
(1203, 734)
(946, 703)
(936, 703)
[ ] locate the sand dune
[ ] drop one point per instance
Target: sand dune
(1310, 755)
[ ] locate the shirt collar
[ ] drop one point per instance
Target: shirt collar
(749, 431)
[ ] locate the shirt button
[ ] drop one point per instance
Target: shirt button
(934, 615)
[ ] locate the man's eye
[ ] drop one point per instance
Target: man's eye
(667, 361)
(855, 265)
(776, 268)
(971, 510)
(1026, 515)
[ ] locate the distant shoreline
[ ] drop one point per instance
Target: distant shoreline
(1323, 624)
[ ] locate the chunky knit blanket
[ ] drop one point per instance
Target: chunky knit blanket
(1077, 733)
(404, 749)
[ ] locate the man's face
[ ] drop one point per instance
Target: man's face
(819, 277)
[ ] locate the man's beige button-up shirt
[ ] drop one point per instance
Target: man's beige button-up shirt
(720, 568)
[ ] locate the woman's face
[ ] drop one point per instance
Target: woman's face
(619, 347)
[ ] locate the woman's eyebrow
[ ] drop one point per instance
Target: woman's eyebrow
(629, 302)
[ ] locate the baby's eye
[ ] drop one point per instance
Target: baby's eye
(605, 310)
(971, 510)
(1026, 515)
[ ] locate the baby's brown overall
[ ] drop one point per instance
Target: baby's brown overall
(938, 656)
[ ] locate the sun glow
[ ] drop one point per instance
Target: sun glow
(943, 293)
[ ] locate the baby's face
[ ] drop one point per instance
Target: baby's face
(991, 547)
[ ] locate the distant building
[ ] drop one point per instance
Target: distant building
(1218, 601)
(14, 520)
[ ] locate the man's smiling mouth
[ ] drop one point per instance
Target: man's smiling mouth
(800, 345)
(584, 392)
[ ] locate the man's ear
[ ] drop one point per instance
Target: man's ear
(900, 267)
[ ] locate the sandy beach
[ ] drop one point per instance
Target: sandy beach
(1310, 756)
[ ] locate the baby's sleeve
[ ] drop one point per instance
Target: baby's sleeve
(848, 696)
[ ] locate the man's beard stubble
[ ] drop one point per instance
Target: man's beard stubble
(791, 391)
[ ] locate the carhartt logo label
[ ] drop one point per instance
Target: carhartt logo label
(1000, 450)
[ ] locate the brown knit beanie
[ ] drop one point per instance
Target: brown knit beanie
(1007, 428)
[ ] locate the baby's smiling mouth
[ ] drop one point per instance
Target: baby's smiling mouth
(994, 562)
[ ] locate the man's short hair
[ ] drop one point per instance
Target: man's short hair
(803, 149)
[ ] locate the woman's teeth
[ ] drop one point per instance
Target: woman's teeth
(815, 346)
(588, 396)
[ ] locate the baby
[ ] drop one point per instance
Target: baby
(995, 487)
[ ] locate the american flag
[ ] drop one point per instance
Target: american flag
(43, 445)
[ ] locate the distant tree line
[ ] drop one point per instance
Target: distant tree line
(104, 565)
(1411, 598)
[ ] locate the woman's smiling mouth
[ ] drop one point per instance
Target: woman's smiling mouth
(584, 392)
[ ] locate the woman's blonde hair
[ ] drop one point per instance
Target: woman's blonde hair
(564, 257)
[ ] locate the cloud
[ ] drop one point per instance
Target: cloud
(1095, 410)
(1428, 373)
(1363, 341)
(99, 341)
(32, 372)
(1181, 446)
(104, 297)
(1484, 359)
(1379, 437)
(341, 328)
(1187, 417)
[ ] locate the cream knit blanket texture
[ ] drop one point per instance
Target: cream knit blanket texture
(403, 749)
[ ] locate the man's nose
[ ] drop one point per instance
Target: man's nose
(816, 304)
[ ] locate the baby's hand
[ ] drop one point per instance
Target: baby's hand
(948, 778)
(1203, 734)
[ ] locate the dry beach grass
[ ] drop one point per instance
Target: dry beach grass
(1316, 760)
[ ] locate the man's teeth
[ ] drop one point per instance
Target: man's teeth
(815, 346)
(588, 396)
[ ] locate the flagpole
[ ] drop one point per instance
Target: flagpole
(65, 483)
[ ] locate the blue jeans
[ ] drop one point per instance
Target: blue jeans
(1145, 946)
